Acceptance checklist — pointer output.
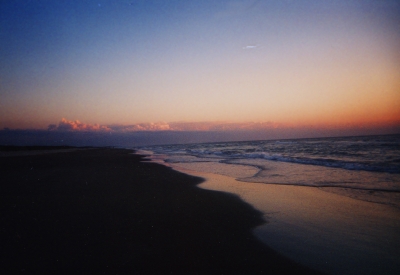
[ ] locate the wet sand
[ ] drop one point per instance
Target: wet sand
(103, 211)
(323, 230)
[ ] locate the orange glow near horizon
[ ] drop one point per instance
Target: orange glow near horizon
(224, 65)
(76, 125)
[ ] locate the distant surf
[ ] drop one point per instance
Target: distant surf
(350, 229)
(366, 168)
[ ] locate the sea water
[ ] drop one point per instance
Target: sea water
(366, 168)
(330, 203)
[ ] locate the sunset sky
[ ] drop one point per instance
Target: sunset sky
(198, 65)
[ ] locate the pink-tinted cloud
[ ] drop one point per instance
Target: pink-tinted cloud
(220, 126)
(193, 126)
(69, 125)
(158, 126)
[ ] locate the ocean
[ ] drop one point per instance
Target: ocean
(366, 168)
(329, 203)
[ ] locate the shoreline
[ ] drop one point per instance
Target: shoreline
(110, 211)
(322, 230)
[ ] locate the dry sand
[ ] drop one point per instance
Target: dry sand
(103, 211)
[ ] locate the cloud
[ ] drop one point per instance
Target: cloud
(69, 125)
(192, 126)
(221, 126)
(52, 127)
(158, 126)
(252, 47)
(76, 126)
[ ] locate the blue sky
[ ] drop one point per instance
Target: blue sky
(326, 64)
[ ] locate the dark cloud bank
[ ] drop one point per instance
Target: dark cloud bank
(76, 133)
(142, 138)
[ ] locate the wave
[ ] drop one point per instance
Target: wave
(383, 167)
(392, 167)
(373, 154)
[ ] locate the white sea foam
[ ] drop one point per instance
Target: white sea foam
(329, 232)
(370, 165)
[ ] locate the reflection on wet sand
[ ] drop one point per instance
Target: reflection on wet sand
(323, 230)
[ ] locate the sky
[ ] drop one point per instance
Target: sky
(158, 65)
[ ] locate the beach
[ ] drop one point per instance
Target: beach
(106, 211)
(322, 230)
(331, 204)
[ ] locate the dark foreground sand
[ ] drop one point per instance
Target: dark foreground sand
(102, 211)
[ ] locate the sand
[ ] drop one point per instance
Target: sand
(103, 211)
(326, 231)
(13, 151)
